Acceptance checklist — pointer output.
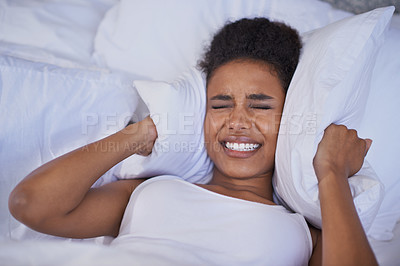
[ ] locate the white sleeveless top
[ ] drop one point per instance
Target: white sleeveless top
(169, 221)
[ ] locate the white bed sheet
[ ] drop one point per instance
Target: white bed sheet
(388, 252)
(46, 252)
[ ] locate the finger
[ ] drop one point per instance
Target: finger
(368, 143)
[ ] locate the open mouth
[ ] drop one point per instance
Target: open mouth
(235, 146)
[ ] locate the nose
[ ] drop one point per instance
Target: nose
(239, 120)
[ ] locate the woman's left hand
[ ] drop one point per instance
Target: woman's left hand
(340, 152)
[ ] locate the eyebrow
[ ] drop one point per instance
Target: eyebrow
(257, 97)
(222, 97)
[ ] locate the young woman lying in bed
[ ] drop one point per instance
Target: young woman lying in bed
(249, 66)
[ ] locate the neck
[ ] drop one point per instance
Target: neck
(259, 185)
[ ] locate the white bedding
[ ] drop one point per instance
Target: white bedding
(55, 39)
(46, 252)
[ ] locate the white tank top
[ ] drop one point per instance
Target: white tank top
(169, 221)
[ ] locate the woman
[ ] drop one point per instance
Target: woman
(249, 66)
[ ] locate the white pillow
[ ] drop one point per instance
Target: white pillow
(178, 111)
(381, 123)
(159, 40)
(46, 111)
(331, 85)
(58, 28)
(146, 38)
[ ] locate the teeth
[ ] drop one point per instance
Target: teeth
(242, 146)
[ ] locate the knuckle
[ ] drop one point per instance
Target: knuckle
(337, 128)
(353, 133)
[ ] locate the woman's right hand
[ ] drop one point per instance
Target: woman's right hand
(144, 135)
(57, 198)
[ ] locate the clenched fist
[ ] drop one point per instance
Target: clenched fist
(340, 152)
(143, 136)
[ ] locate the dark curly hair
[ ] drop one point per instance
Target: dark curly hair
(259, 39)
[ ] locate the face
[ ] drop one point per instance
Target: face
(244, 106)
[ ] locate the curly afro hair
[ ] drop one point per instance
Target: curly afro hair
(259, 39)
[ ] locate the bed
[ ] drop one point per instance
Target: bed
(74, 71)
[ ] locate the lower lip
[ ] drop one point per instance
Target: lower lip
(239, 154)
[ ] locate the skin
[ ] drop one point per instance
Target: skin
(244, 105)
(57, 198)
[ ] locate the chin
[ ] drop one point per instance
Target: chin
(241, 172)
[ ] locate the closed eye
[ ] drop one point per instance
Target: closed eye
(221, 106)
(262, 107)
(221, 101)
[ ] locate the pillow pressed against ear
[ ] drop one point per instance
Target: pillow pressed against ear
(178, 111)
(331, 85)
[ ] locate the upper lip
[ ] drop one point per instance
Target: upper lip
(240, 139)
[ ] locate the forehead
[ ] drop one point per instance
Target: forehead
(244, 77)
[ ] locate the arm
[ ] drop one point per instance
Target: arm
(57, 197)
(343, 241)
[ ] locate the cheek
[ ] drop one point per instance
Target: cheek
(207, 126)
(212, 124)
(269, 125)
